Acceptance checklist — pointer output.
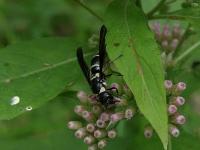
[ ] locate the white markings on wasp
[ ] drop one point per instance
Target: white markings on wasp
(97, 75)
(95, 65)
(14, 100)
(97, 55)
(102, 90)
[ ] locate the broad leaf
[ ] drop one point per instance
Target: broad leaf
(140, 64)
(36, 72)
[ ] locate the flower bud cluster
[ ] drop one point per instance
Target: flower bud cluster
(169, 38)
(99, 123)
(175, 101)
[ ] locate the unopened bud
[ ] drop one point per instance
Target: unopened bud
(121, 102)
(148, 132)
(89, 140)
(179, 119)
(82, 96)
(168, 85)
(177, 31)
(165, 45)
(179, 87)
(74, 125)
(100, 134)
(78, 109)
(178, 101)
(112, 134)
(93, 147)
(116, 117)
(105, 116)
(174, 131)
(129, 113)
(172, 109)
(102, 144)
(96, 109)
(90, 127)
(116, 87)
(80, 133)
(92, 99)
(100, 123)
(87, 115)
(173, 45)
(166, 32)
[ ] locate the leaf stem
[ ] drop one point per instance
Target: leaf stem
(170, 143)
(156, 8)
(187, 52)
(89, 10)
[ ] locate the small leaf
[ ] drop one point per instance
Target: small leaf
(36, 72)
(140, 64)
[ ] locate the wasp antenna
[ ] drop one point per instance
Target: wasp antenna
(103, 29)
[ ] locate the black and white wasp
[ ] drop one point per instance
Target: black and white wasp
(94, 75)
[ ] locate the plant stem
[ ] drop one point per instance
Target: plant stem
(170, 143)
(156, 8)
(89, 10)
(187, 52)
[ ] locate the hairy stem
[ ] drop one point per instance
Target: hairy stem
(89, 10)
(156, 8)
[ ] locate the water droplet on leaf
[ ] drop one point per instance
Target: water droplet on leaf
(14, 100)
(29, 108)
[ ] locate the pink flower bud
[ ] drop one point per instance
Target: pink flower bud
(82, 96)
(168, 85)
(78, 109)
(89, 140)
(115, 87)
(96, 109)
(90, 127)
(129, 113)
(121, 102)
(173, 45)
(100, 134)
(80, 133)
(92, 99)
(172, 109)
(155, 26)
(177, 31)
(180, 119)
(74, 125)
(148, 132)
(165, 45)
(102, 144)
(93, 147)
(166, 32)
(174, 131)
(116, 117)
(100, 123)
(181, 86)
(112, 134)
(178, 101)
(105, 116)
(87, 115)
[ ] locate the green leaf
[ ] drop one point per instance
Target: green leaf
(36, 72)
(140, 64)
(149, 5)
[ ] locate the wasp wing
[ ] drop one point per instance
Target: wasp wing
(102, 48)
(83, 65)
